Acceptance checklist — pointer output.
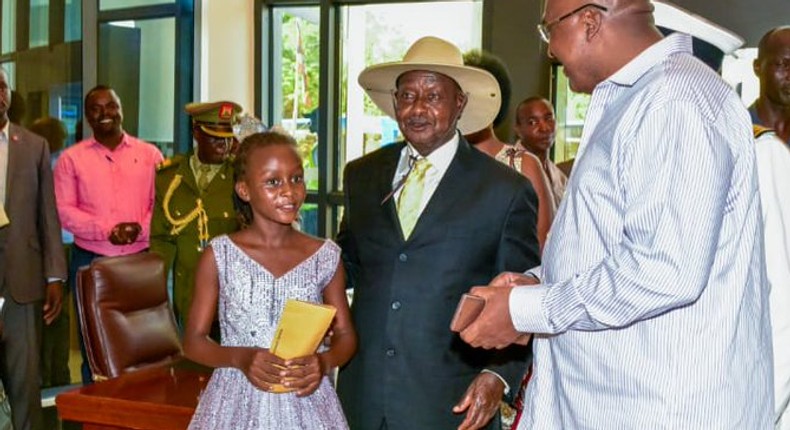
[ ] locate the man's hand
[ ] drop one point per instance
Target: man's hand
(493, 328)
(125, 233)
(513, 279)
(53, 303)
(481, 401)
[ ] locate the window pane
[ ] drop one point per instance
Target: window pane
(373, 34)
(296, 62)
(308, 218)
(39, 23)
(570, 109)
(73, 20)
(121, 4)
(10, 70)
(9, 27)
(137, 59)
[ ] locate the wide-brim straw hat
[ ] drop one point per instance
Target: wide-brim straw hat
(436, 55)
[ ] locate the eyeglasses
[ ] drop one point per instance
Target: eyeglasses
(544, 29)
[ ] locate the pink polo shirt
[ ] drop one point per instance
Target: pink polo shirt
(97, 188)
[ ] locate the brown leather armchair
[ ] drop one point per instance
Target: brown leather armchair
(125, 316)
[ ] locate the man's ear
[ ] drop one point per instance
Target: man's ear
(591, 19)
(242, 191)
(757, 66)
(463, 98)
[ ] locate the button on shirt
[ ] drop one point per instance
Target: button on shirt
(654, 312)
(97, 188)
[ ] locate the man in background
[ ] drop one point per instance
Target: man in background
(772, 66)
(105, 189)
(194, 197)
(32, 262)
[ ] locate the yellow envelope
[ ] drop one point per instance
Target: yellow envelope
(4, 221)
(301, 329)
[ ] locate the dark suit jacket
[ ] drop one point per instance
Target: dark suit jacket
(410, 368)
(31, 246)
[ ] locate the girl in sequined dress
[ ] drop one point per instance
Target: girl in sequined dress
(247, 277)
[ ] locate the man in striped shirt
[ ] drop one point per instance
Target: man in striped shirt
(652, 305)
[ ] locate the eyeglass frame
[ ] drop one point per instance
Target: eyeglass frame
(544, 29)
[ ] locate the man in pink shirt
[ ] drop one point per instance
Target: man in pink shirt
(104, 187)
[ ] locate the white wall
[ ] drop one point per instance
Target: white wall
(227, 63)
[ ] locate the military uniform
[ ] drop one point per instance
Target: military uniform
(182, 249)
(186, 216)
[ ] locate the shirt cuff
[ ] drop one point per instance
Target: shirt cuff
(535, 272)
(527, 311)
(507, 387)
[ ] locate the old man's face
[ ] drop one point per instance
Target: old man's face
(427, 108)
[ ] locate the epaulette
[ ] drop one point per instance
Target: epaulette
(169, 162)
(760, 130)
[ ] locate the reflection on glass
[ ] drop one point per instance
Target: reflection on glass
(137, 59)
(372, 34)
(8, 32)
(570, 110)
(296, 57)
(73, 20)
(308, 218)
(121, 4)
(10, 70)
(738, 70)
(39, 23)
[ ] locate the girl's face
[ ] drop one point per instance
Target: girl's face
(273, 184)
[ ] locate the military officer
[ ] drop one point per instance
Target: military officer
(194, 197)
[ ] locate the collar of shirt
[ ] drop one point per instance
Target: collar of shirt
(195, 164)
(629, 74)
(125, 142)
(440, 159)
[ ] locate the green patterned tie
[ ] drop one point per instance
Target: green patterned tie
(411, 196)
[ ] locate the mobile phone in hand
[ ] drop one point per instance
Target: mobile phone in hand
(469, 307)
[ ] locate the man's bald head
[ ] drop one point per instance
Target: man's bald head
(774, 38)
(772, 67)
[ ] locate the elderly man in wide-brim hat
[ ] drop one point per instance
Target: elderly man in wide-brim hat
(424, 220)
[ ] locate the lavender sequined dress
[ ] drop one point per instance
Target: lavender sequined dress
(250, 303)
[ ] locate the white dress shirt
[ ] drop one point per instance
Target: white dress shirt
(654, 309)
(440, 160)
(773, 165)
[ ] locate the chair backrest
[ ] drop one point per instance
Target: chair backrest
(125, 316)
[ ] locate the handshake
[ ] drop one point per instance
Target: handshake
(483, 315)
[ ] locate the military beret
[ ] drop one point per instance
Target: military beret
(214, 118)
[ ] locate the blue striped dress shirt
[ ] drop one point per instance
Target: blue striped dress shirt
(653, 312)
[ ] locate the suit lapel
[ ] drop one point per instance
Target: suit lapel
(14, 148)
(384, 186)
(188, 177)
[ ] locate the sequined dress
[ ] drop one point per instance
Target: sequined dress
(250, 303)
